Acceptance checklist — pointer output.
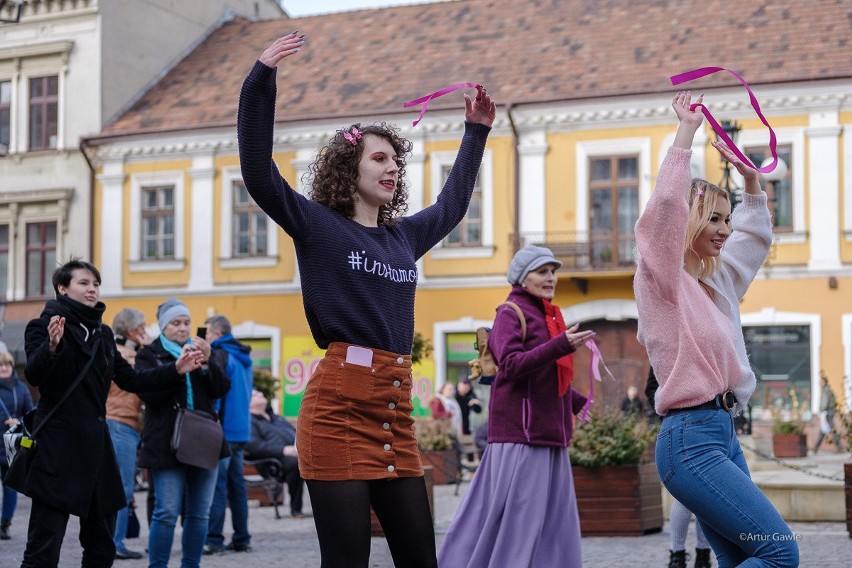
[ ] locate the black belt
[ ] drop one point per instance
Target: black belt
(726, 401)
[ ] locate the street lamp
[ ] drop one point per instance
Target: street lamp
(732, 129)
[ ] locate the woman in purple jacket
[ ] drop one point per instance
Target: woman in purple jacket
(521, 509)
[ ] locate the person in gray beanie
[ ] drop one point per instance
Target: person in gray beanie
(528, 259)
(530, 425)
(169, 310)
(177, 486)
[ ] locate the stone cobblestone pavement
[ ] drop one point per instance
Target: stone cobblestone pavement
(292, 543)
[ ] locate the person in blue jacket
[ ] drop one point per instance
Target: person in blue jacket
(15, 401)
(234, 357)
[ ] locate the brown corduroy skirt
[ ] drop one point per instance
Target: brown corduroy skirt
(355, 421)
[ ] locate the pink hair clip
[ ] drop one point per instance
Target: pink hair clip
(699, 192)
(354, 137)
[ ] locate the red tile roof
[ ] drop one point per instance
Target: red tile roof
(368, 62)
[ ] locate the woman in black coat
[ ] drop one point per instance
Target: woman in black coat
(176, 484)
(74, 471)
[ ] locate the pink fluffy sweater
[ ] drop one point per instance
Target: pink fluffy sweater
(695, 345)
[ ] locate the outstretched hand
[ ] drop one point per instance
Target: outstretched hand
(480, 110)
(282, 47)
(690, 120)
(747, 172)
(578, 338)
(681, 103)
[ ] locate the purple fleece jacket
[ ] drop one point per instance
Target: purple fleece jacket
(525, 406)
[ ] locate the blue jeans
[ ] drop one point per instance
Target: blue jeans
(230, 490)
(701, 464)
(171, 485)
(10, 497)
(125, 440)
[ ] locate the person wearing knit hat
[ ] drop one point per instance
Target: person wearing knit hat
(530, 424)
(176, 483)
(169, 310)
(528, 259)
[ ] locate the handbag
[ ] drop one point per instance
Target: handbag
(197, 438)
(23, 443)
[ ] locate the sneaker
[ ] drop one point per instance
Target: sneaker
(214, 549)
(128, 555)
(238, 547)
(297, 515)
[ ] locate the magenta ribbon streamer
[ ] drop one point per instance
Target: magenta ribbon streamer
(594, 375)
(703, 72)
(425, 99)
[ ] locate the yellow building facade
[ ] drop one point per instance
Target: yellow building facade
(572, 176)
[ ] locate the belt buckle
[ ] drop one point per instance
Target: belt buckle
(728, 400)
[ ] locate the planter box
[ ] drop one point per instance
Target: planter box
(623, 500)
(789, 445)
(444, 463)
(376, 526)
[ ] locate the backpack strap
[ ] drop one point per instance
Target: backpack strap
(521, 317)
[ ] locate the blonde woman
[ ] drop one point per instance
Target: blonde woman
(696, 261)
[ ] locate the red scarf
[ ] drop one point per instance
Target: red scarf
(555, 326)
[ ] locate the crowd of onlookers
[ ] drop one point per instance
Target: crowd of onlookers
(141, 423)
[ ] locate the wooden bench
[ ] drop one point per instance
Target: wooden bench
(265, 486)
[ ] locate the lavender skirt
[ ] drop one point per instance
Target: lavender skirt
(520, 511)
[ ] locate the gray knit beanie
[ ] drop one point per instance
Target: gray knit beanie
(528, 259)
(169, 310)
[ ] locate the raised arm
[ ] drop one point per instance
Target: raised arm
(255, 126)
(747, 247)
(435, 222)
(661, 230)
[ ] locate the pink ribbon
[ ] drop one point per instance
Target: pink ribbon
(594, 375)
(703, 72)
(425, 99)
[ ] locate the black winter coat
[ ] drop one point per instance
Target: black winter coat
(268, 437)
(161, 407)
(74, 468)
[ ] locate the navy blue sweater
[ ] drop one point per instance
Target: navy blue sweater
(358, 282)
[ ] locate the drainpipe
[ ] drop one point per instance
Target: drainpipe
(83, 147)
(516, 233)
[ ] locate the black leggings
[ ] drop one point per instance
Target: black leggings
(342, 516)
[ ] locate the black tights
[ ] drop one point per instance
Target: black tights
(342, 516)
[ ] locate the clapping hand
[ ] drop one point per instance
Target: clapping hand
(282, 47)
(190, 359)
(55, 331)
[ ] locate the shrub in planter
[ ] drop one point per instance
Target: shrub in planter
(617, 494)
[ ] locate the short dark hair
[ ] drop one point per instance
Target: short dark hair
(62, 275)
(219, 324)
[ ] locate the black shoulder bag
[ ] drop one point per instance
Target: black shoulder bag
(21, 445)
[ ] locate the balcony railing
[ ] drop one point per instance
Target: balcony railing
(585, 252)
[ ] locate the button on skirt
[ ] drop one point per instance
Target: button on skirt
(355, 421)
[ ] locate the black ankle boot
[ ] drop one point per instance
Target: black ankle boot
(677, 559)
(4, 530)
(702, 558)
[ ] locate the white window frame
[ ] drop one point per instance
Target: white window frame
(769, 316)
(641, 147)
(438, 161)
(137, 183)
(20, 64)
(226, 257)
(795, 137)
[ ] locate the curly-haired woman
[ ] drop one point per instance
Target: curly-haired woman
(357, 262)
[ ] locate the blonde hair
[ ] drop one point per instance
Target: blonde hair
(699, 217)
(6, 357)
